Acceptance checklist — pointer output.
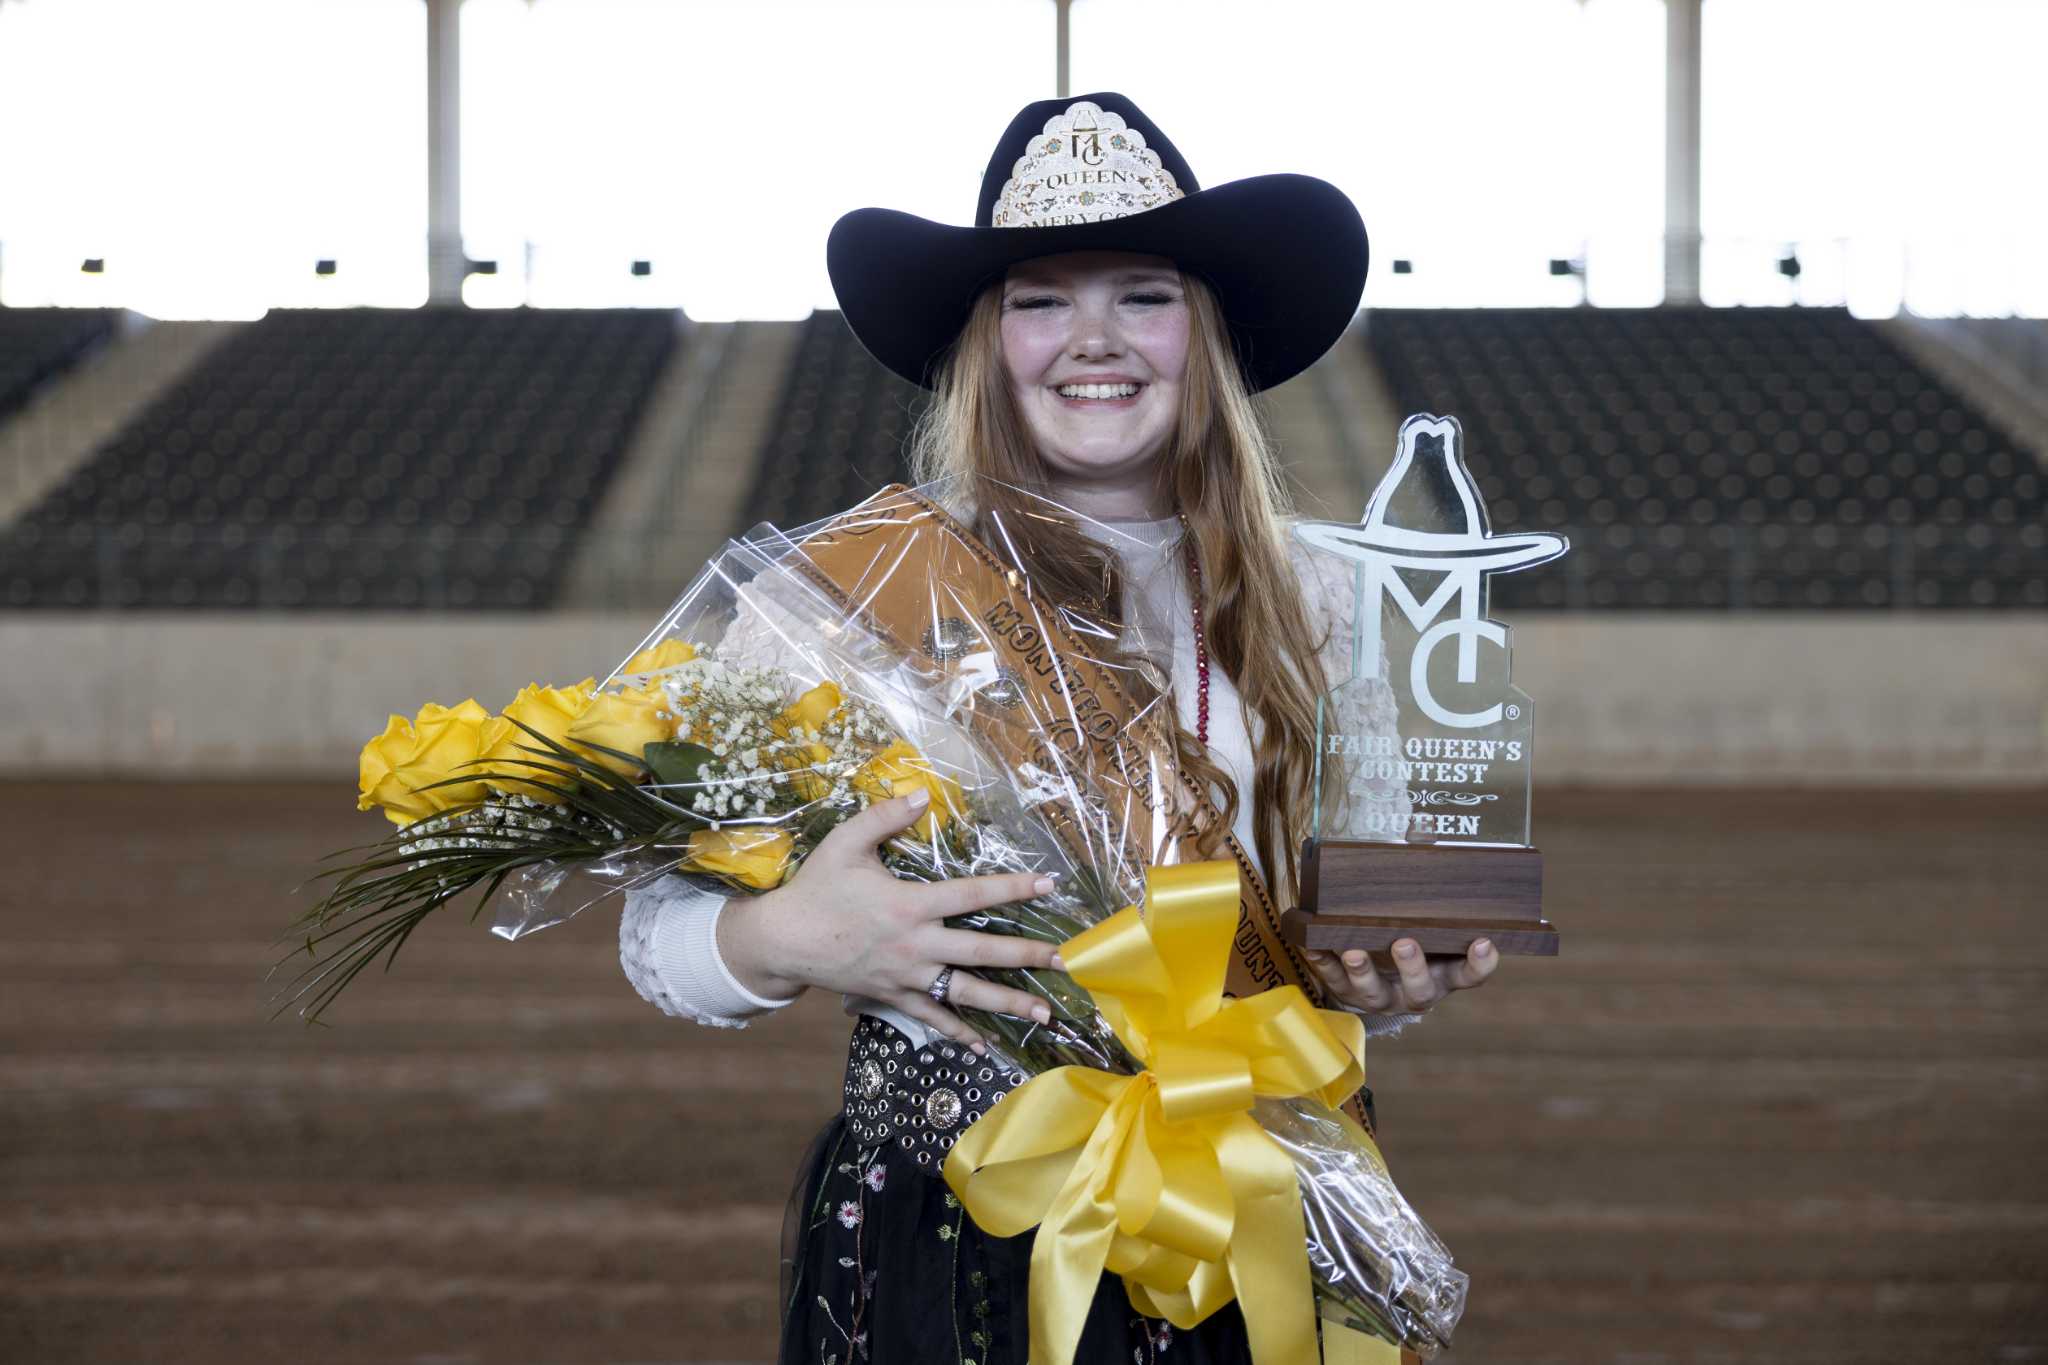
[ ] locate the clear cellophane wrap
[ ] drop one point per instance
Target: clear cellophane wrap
(1044, 733)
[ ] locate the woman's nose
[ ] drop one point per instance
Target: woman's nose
(1095, 333)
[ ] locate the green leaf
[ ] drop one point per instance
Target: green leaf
(822, 821)
(677, 762)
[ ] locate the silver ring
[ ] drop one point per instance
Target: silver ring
(941, 984)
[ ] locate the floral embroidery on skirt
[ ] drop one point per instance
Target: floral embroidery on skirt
(881, 1264)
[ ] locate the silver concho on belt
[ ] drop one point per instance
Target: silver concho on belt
(947, 638)
(921, 1099)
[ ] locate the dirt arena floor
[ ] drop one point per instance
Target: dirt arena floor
(1780, 1100)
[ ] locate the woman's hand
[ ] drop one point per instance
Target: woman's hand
(843, 923)
(1353, 979)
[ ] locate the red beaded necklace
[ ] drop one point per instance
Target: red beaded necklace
(1201, 640)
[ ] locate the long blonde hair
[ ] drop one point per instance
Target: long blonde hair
(1221, 475)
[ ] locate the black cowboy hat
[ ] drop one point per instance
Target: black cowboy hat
(1285, 254)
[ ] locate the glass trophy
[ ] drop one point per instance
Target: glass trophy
(1421, 822)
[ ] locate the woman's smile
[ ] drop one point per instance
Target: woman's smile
(1100, 392)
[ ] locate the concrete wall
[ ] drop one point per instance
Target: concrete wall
(239, 695)
(1619, 698)
(1791, 697)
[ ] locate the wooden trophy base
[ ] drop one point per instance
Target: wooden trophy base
(1356, 894)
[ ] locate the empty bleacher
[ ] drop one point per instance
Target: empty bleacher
(838, 431)
(365, 458)
(38, 344)
(1733, 458)
(1725, 458)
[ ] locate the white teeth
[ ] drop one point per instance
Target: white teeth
(1098, 390)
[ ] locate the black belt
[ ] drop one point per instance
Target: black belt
(923, 1098)
(920, 1098)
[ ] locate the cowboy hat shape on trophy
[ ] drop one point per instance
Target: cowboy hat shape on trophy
(1427, 514)
(1398, 525)
(1450, 861)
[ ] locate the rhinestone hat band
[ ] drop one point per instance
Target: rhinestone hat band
(1086, 166)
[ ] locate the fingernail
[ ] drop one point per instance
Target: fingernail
(920, 798)
(1042, 887)
(1354, 958)
(1406, 950)
(1059, 963)
(980, 1048)
(1041, 1013)
(1482, 949)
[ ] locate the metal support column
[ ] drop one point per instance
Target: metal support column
(1682, 151)
(446, 264)
(1060, 82)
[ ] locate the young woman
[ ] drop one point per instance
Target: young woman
(1096, 339)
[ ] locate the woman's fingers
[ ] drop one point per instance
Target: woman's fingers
(971, 949)
(1365, 981)
(1318, 960)
(1352, 976)
(960, 895)
(971, 992)
(938, 1018)
(1471, 970)
(1419, 986)
(1328, 967)
(860, 834)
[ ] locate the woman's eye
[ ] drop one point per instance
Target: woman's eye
(1041, 301)
(1148, 298)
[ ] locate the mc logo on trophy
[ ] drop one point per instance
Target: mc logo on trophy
(1422, 832)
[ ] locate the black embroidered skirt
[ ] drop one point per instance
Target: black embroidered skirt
(881, 1264)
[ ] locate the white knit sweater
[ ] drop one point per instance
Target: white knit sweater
(668, 935)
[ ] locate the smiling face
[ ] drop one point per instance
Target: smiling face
(1095, 348)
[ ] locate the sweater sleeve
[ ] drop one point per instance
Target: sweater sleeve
(668, 933)
(668, 945)
(1386, 1025)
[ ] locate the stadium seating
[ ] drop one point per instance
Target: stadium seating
(1714, 458)
(366, 458)
(1746, 458)
(38, 344)
(838, 432)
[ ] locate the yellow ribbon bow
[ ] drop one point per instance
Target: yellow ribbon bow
(1164, 1177)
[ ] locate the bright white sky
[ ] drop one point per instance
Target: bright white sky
(212, 150)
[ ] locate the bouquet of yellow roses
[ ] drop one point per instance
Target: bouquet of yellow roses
(803, 676)
(724, 772)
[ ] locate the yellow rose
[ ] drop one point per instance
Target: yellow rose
(759, 858)
(667, 654)
(628, 721)
(810, 711)
(900, 770)
(412, 754)
(803, 763)
(807, 715)
(551, 711)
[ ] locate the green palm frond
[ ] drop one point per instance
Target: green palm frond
(389, 887)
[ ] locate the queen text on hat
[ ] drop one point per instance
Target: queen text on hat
(1086, 165)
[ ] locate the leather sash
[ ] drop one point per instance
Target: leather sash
(918, 578)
